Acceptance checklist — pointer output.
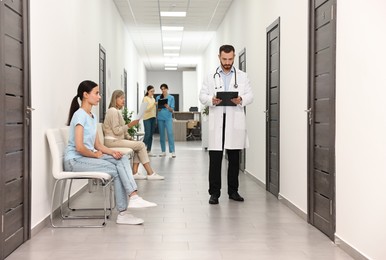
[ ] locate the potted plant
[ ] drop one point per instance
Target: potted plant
(127, 117)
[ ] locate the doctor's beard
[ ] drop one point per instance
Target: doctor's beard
(226, 67)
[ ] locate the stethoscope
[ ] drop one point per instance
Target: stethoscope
(219, 78)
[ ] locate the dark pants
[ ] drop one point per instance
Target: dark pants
(215, 162)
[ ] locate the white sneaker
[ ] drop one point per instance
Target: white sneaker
(151, 154)
(138, 176)
(138, 202)
(155, 176)
(162, 154)
(127, 219)
(173, 155)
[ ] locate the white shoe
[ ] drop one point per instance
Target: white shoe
(173, 155)
(151, 155)
(138, 176)
(155, 176)
(162, 154)
(127, 219)
(137, 202)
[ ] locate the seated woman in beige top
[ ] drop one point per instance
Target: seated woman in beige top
(116, 135)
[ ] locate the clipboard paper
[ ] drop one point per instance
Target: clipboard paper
(226, 97)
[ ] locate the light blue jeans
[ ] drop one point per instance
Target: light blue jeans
(124, 183)
(168, 124)
(149, 125)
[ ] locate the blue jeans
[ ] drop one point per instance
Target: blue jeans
(124, 183)
(149, 130)
(168, 124)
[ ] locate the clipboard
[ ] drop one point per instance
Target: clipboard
(162, 102)
(226, 97)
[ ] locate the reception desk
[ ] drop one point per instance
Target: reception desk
(180, 124)
(180, 129)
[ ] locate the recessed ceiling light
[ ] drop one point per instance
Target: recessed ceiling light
(170, 68)
(173, 14)
(172, 28)
(172, 54)
(171, 39)
(171, 47)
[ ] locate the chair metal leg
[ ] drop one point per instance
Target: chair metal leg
(105, 216)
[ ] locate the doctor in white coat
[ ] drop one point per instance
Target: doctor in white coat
(227, 125)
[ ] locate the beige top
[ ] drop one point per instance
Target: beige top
(114, 126)
(151, 107)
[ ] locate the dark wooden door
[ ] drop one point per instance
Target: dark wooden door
(125, 87)
(243, 67)
(273, 109)
(14, 126)
(102, 83)
(321, 117)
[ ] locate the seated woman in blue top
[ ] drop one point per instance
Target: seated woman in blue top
(84, 152)
(165, 120)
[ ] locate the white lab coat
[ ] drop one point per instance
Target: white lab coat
(235, 124)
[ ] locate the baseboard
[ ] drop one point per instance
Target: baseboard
(349, 249)
(293, 207)
(259, 182)
(46, 221)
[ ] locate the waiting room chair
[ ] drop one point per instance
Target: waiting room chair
(57, 140)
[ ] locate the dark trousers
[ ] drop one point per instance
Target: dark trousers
(215, 162)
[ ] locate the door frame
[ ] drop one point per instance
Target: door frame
(243, 152)
(102, 86)
(273, 25)
(310, 127)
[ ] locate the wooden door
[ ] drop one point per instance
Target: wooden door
(125, 87)
(102, 83)
(321, 117)
(273, 109)
(14, 126)
(243, 67)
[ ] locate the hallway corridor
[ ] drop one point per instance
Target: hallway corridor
(185, 226)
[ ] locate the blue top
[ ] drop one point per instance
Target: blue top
(164, 113)
(227, 77)
(89, 124)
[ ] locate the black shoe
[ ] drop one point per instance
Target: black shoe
(236, 196)
(213, 199)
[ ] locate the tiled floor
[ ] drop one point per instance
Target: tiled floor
(185, 226)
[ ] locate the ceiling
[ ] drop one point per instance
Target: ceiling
(144, 22)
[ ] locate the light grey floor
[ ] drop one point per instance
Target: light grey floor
(185, 226)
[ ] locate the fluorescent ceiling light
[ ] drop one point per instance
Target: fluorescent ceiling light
(172, 54)
(173, 14)
(172, 28)
(171, 39)
(170, 68)
(171, 47)
(171, 64)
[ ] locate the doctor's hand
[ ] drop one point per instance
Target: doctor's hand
(237, 100)
(216, 101)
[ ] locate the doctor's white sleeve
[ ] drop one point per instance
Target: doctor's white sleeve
(205, 95)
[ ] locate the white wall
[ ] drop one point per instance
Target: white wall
(65, 37)
(190, 93)
(172, 78)
(361, 126)
(360, 107)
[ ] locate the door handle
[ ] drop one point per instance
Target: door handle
(29, 109)
(309, 112)
(266, 115)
